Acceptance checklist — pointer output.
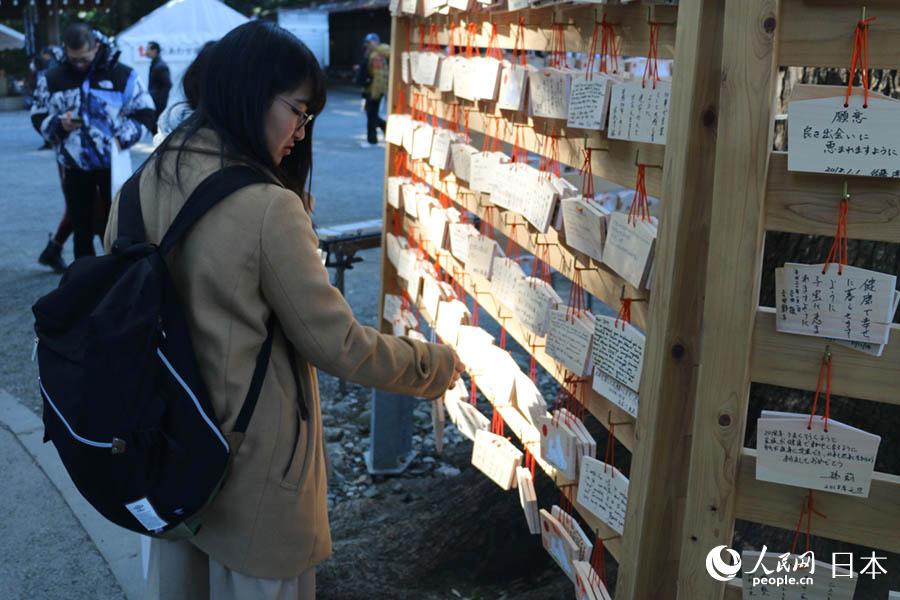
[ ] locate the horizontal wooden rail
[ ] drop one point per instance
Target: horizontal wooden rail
(616, 163)
(601, 408)
(792, 360)
(598, 279)
(819, 33)
(808, 203)
(873, 522)
(632, 26)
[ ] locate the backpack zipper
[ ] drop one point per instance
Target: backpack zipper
(66, 423)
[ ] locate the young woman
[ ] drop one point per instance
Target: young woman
(251, 256)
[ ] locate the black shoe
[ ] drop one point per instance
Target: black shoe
(46, 146)
(52, 257)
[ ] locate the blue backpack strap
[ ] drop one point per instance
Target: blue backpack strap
(210, 192)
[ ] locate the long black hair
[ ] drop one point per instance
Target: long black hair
(245, 71)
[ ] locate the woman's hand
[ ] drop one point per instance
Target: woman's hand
(458, 369)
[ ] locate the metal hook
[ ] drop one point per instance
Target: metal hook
(610, 421)
(846, 192)
(637, 161)
(586, 147)
(622, 296)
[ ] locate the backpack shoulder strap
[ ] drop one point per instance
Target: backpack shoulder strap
(131, 221)
(210, 192)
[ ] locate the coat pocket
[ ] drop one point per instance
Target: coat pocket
(292, 474)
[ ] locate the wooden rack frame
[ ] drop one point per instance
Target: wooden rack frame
(721, 188)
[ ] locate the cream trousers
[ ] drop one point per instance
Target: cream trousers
(181, 571)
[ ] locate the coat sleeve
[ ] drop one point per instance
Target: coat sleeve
(319, 322)
(43, 118)
(138, 111)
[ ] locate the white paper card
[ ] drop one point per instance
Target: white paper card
(855, 306)
(825, 137)
(618, 350)
(396, 128)
(549, 93)
(393, 304)
(603, 491)
(505, 279)
(513, 79)
(840, 461)
(585, 226)
(459, 240)
(536, 298)
(450, 317)
(558, 544)
(629, 248)
(616, 392)
(482, 251)
(589, 102)
(496, 457)
(569, 339)
(639, 113)
(467, 419)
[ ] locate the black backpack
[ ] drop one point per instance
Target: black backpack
(123, 400)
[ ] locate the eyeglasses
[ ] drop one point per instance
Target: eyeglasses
(303, 119)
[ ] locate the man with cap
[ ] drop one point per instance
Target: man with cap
(374, 78)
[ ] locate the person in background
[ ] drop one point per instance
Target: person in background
(376, 67)
(160, 80)
(191, 85)
(84, 106)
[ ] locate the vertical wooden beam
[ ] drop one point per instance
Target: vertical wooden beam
(399, 37)
(649, 565)
(749, 71)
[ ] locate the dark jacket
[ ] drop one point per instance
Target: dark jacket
(109, 98)
(160, 83)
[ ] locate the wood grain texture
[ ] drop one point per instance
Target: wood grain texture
(808, 203)
(791, 360)
(630, 22)
(399, 29)
(873, 522)
(616, 163)
(819, 33)
(479, 289)
(598, 279)
(659, 472)
(749, 70)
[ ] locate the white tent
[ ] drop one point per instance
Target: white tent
(181, 27)
(10, 39)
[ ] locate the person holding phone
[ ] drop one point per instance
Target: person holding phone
(83, 107)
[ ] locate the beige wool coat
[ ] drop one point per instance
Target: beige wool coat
(253, 254)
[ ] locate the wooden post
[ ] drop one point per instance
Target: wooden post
(399, 37)
(749, 72)
(660, 465)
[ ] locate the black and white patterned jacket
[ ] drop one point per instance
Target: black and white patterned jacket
(109, 98)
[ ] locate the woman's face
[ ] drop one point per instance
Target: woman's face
(286, 122)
